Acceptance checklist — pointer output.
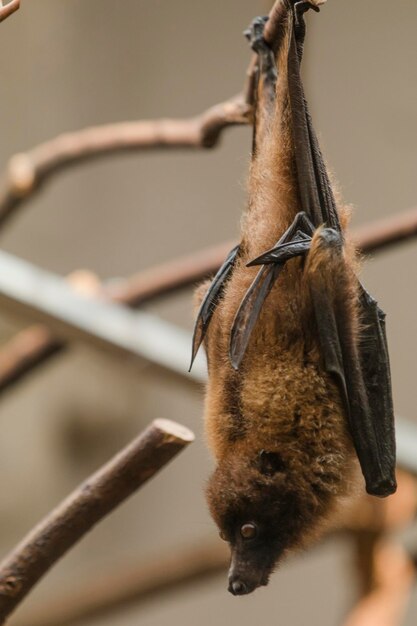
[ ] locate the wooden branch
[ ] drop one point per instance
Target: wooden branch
(27, 173)
(386, 600)
(112, 592)
(387, 232)
(86, 506)
(383, 568)
(8, 9)
(163, 279)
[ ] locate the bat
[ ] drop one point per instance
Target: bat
(299, 388)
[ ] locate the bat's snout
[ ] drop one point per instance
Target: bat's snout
(238, 587)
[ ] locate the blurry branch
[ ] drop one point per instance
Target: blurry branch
(387, 232)
(27, 173)
(35, 345)
(165, 278)
(86, 506)
(117, 590)
(8, 9)
(383, 567)
(385, 602)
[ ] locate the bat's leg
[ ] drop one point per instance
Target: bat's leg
(264, 96)
(266, 59)
(376, 369)
(333, 290)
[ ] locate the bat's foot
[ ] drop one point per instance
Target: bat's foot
(303, 6)
(255, 35)
(329, 238)
(300, 8)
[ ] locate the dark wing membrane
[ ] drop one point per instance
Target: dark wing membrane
(314, 187)
(363, 377)
(210, 302)
(249, 310)
(377, 376)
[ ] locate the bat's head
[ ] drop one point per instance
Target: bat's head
(260, 514)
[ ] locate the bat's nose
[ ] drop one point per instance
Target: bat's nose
(237, 587)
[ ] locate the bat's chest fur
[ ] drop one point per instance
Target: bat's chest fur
(280, 400)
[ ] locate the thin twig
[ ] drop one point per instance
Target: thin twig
(8, 9)
(109, 593)
(27, 173)
(386, 232)
(86, 506)
(163, 279)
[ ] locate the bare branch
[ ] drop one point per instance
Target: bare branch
(116, 590)
(8, 9)
(165, 278)
(391, 576)
(86, 506)
(384, 233)
(28, 172)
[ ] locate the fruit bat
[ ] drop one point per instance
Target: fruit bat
(299, 383)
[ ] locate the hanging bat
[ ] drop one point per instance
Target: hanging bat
(299, 384)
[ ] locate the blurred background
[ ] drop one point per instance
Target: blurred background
(67, 64)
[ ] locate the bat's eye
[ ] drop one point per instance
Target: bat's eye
(222, 535)
(249, 531)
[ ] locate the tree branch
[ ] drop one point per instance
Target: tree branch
(111, 592)
(392, 576)
(27, 173)
(387, 232)
(8, 9)
(86, 506)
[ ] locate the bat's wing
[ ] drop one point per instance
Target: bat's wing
(377, 375)
(294, 242)
(211, 300)
(249, 311)
(360, 368)
(316, 195)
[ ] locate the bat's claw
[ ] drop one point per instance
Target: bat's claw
(303, 6)
(255, 35)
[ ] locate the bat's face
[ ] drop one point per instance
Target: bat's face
(259, 515)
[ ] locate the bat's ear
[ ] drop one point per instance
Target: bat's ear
(271, 463)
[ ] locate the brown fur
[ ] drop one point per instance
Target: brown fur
(281, 399)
